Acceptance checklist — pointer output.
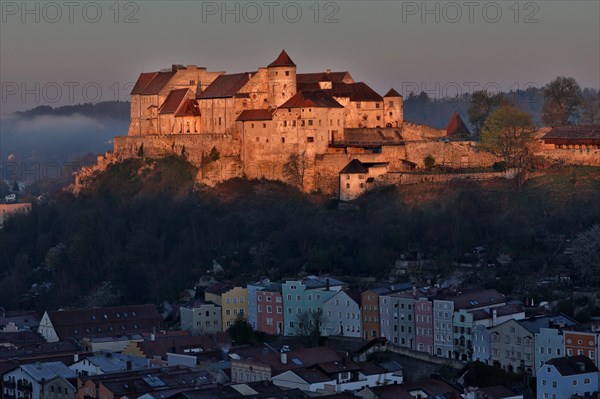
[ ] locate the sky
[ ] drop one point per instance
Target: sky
(61, 53)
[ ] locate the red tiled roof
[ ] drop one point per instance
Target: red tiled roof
(474, 298)
(307, 78)
(585, 134)
(457, 127)
(256, 115)
(158, 82)
(142, 82)
(189, 108)
(173, 101)
(392, 93)
(105, 322)
(282, 60)
(317, 99)
(482, 314)
(573, 365)
(300, 358)
(226, 85)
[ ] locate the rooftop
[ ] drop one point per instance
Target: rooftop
(573, 365)
(315, 99)
(47, 371)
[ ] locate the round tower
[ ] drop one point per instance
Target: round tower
(393, 106)
(282, 79)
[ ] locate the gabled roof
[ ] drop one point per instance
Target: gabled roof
(300, 358)
(47, 371)
(256, 115)
(105, 322)
(457, 127)
(307, 78)
(282, 60)
(483, 314)
(358, 91)
(533, 325)
(218, 288)
(392, 93)
(585, 134)
(474, 298)
(226, 86)
(189, 108)
(573, 365)
(173, 101)
(142, 82)
(354, 167)
(316, 99)
(311, 375)
(158, 82)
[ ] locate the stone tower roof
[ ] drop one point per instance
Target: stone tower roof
(457, 127)
(393, 93)
(282, 61)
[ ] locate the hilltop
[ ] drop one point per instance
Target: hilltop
(141, 220)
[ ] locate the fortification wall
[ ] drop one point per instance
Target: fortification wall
(573, 156)
(417, 178)
(454, 154)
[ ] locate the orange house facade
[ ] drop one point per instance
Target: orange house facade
(586, 343)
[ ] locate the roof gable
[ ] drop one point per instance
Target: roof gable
(354, 167)
(226, 86)
(282, 60)
(457, 127)
(142, 82)
(256, 115)
(158, 82)
(392, 93)
(316, 99)
(173, 101)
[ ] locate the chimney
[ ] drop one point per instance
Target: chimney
(414, 290)
(128, 363)
(327, 284)
(75, 357)
(494, 316)
(152, 337)
(283, 357)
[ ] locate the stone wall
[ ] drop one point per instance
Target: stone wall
(417, 178)
(573, 156)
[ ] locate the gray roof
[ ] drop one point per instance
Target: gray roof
(321, 282)
(112, 362)
(48, 371)
(534, 325)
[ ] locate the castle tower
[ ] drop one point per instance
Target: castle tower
(393, 106)
(282, 79)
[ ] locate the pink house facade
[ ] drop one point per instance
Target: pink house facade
(269, 310)
(424, 325)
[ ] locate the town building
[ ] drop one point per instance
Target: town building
(342, 315)
(100, 323)
(579, 145)
(303, 295)
(40, 380)
(371, 312)
(252, 289)
(565, 377)
(232, 300)
(107, 362)
(583, 340)
(359, 177)
(269, 310)
(550, 340)
(201, 317)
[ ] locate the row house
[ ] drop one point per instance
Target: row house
(303, 295)
(583, 340)
(371, 313)
(567, 377)
(550, 339)
(232, 300)
(52, 380)
(512, 343)
(253, 288)
(201, 317)
(342, 315)
(269, 310)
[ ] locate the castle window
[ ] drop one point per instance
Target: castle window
(219, 121)
(192, 82)
(283, 94)
(289, 110)
(391, 103)
(294, 123)
(287, 73)
(347, 185)
(357, 105)
(257, 139)
(276, 73)
(391, 113)
(319, 122)
(252, 125)
(310, 139)
(310, 122)
(283, 139)
(302, 122)
(364, 117)
(284, 123)
(377, 105)
(264, 125)
(378, 117)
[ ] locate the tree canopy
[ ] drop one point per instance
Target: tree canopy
(562, 98)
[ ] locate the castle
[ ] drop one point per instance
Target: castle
(276, 123)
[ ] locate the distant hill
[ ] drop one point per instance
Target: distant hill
(107, 109)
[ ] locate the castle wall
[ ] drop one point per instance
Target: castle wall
(453, 154)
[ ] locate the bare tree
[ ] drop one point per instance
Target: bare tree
(586, 254)
(309, 325)
(295, 168)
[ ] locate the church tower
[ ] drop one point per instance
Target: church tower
(393, 106)
(282, 79)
